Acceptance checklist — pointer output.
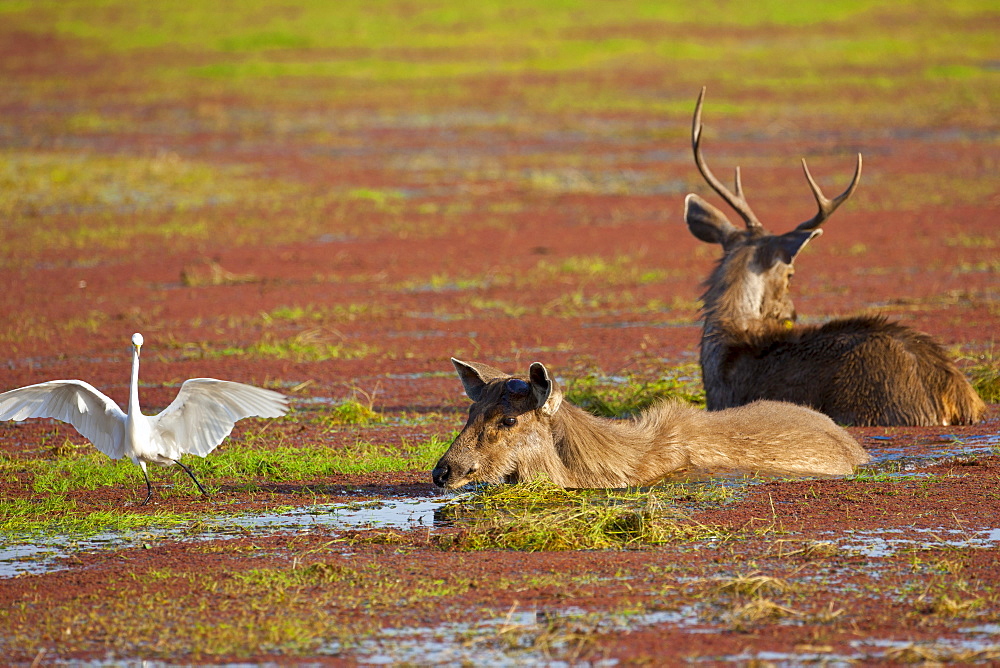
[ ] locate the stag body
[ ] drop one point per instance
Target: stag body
(862, 371)
(520, 428)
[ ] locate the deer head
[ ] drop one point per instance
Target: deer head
(756, 268)
(507, 425)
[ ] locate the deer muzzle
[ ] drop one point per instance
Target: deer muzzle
(447, 476)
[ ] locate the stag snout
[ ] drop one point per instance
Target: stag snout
(447, 476)
(440, 474)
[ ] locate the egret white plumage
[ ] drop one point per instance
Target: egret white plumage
(196, 422)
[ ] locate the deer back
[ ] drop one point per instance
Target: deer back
(770, 437)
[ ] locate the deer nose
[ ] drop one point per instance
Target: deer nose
(440, 474)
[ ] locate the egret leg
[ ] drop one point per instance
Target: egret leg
(191, 473)
(149, 486)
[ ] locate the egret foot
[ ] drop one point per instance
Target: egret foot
(149, 489)
(191, 473)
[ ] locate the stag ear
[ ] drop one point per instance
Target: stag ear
(548, 396)
(475, 376)
(706, 222)
(790, 243)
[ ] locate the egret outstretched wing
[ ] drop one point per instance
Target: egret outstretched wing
(82, 405)
(206, 410)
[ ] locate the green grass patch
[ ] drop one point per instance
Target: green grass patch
(283, 579)
(60, 183)
(984, 372)
(312, 313)
(350, 411)
(285, 464)
(614, 271)
(497, 306)
(449, 283)
(91, 203)
(578, 302)
(629, 395)
(398, 51)
(84, 468)
(309, 346)
(375, 26)
(369, 582)
(918, 192)
(55, 514)
(34, 326)
(891, 473)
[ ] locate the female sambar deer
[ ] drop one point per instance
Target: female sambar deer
(520, 428)
(862, 371)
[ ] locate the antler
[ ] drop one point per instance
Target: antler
(737, 201)
(826, 206)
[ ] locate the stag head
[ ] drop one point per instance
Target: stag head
(756, 267)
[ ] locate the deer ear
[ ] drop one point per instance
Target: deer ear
(706, 222)
(548, 396)
(475, 376)
(790, 243)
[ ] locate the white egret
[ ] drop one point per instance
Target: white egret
(196, 422)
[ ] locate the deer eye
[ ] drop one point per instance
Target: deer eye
(508, 421)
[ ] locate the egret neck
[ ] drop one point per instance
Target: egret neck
(136, 428)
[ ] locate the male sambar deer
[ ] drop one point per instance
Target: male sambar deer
(863, 371)
(520, 428)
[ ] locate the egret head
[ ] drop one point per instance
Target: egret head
(137, 339)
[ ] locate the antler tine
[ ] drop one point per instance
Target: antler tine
(739, 184)
(826, 206)
(737, 201)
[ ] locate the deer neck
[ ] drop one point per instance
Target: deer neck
(734, 299)
(732, 303)
(591, 451)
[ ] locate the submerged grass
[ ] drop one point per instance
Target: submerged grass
(753, 585)
(758, 610)
(541, 516)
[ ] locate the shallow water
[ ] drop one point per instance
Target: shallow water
(41, 554)
(888, 542)
(519, 638)
(943, 648)
(946, 446)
